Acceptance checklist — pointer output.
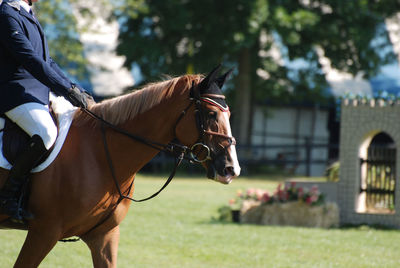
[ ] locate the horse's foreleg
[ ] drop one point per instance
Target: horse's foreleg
(37, 245)
(104, 248)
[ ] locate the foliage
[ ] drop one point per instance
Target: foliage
(60, 26)
(332, 172)
(185, 35)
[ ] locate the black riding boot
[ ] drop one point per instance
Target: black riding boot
(19, 173)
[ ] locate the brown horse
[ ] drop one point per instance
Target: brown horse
(77, 195)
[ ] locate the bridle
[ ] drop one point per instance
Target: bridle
(197, 99)
(176, 148)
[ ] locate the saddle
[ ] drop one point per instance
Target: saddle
(15, 139)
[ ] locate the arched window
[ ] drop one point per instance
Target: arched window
(378, 175)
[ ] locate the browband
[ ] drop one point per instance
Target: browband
(223, 108)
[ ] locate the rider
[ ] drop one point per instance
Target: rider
(27, 75)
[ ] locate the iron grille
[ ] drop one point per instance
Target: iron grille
(379, 180)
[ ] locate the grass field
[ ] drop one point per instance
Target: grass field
(176, 230)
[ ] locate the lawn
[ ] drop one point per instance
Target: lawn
(176, 230)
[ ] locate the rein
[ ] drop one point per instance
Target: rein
(178, 150)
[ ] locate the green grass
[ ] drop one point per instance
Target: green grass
(176, 230)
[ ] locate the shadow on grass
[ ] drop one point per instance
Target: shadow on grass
(359, 227)
(367, 227)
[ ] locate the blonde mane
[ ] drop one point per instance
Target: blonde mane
(125, 107)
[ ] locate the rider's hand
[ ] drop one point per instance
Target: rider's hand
(89, 98)
(78, 98)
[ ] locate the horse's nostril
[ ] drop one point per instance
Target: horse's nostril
(229, 171)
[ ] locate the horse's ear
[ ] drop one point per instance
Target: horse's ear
(222, 79)
(210, 78)
(195, 92)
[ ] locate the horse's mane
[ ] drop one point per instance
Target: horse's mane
(122, 108)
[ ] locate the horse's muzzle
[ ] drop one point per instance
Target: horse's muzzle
(221, 171)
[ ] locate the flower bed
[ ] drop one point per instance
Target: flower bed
(288, 206)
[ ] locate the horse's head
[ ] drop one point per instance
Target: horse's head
(215, 145)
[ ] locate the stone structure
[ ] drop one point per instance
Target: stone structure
(290, 214)
(361, 121)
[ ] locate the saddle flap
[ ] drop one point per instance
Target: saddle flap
(15, 140)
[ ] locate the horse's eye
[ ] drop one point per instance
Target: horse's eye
(212, 115)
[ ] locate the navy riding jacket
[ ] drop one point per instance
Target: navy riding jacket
(27, 72)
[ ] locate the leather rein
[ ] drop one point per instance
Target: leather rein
(178, 150)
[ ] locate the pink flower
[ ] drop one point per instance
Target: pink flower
(282, 195)
(259, 194)
(300, 192)
(232, 201)
(250, 192)
(279, 187)
(265, 197)
(308, 200)
(314, 190)
(314, 198)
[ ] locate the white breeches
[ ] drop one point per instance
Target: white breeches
(35, 119)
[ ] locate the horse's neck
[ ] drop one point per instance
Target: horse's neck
(158, 125)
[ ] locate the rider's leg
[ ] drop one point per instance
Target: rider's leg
(35, 119)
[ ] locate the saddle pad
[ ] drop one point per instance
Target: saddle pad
(64, 112)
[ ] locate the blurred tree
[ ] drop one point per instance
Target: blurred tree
(179, 36)
(59, 23)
